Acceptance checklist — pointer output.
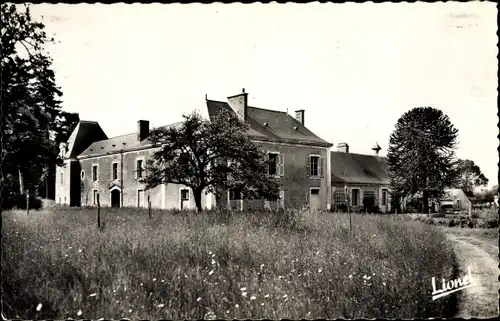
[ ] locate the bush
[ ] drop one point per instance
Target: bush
(19, 201)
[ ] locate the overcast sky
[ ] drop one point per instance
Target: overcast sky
(354, 68)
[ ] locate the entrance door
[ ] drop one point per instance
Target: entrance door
(315, 201)
(140, 199)
(115, 198)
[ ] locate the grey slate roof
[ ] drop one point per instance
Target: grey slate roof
(84, 133)
(117, 144)
(280, 125)
(358, 169)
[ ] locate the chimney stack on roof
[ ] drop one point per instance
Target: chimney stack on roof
(142, 130)
(299, 115)
(239, 103)
(343, 147)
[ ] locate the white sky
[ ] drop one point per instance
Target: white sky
(354, 68)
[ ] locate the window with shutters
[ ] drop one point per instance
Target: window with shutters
(276, 166)
(315, 166)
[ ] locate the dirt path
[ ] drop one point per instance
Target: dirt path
(481, 299)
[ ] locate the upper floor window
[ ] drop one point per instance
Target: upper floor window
(139, 168)
(115, 171)
(82, 174)
(315, 166)
(94, 173)
(275, 164)
(62, 178)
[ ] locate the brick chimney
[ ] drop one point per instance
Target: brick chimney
(343, 147)
(239, 104)
(299, 115)
(142, 130)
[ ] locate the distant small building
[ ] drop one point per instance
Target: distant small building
(455, 199)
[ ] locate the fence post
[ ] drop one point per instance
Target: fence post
(98, 212)
(27, 202)
(149, 207)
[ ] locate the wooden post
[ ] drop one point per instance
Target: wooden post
(27, 202)
(149, 207)
(98, 212)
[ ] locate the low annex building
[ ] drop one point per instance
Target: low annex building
(355, 177)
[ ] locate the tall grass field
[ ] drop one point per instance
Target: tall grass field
(218, 265)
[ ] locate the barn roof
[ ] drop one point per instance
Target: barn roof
(271, 125)
(358, 169)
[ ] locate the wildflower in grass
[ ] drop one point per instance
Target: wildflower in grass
(80, 250)
(93, 294)
(161, 305)
(266, 296)
(252, 297)
(198, 300)
(210, 253)
(154, 279)
(130, 311)
(319, 270)
(285, 296)
(350, 276)
(79, 313)
(261, 266)
(236, 305)
(162, 281)
(243, 289)
(213, 262)
(262, 303)
(211, 272)
(141, 283)
(383, 283)
(39, 307)
(317, 252)
(117, 302)
(244, 294)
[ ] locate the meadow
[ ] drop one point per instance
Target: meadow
(293, 264)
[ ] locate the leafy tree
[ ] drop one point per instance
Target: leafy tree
(470, 177)
(30, 103)
(212, 155)
(421, 157)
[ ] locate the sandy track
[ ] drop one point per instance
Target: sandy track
(481, 299)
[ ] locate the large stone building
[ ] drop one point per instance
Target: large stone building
(111, 167)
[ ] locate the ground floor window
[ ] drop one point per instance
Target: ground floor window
(184, 194)
(339, 197)
(94, 197)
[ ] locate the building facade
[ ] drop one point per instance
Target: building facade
(357, 178)
(110, 168)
